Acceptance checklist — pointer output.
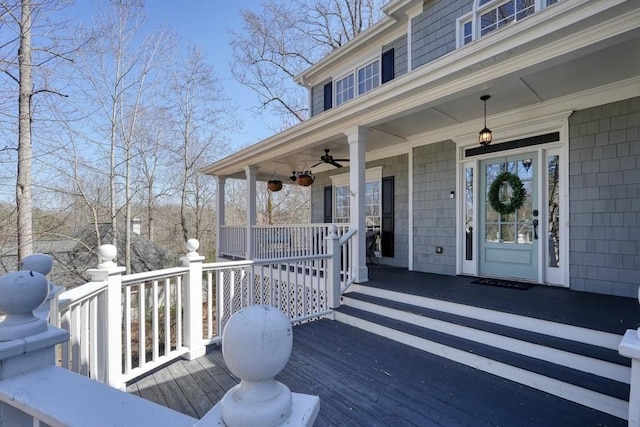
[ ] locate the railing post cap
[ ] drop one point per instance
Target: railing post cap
(333, 230)
(192, 247)
(21, 292)
(107, 254)
(41, 263)
(256, 345)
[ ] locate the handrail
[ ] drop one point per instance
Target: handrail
(352, 232)
(153, 275)
(80, 294)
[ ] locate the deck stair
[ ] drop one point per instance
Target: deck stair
(576, 363)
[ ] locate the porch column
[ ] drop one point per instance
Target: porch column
(357, 137)
(250, 172)
(221, 181)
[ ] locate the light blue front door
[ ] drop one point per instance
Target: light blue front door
(508, 244)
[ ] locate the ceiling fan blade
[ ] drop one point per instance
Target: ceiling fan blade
(332, 162)
(317, 164)
(340, 160)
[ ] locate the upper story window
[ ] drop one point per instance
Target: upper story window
(368, 77)
(489, 15)
(344, 89)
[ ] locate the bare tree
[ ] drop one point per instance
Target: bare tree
(20, 17)
(121, 71)
(202, 116)
(288, 37)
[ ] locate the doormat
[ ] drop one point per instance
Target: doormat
(504, 283)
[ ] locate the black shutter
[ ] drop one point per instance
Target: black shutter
(387, 236)
(388, 66)
(328, 204)
(328, 96)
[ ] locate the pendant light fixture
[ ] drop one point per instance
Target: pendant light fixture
(485, 137)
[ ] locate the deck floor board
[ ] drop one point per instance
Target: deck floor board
(366, 380)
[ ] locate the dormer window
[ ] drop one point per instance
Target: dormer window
(489, 15)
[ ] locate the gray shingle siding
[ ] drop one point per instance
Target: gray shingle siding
(317, 98)
(401, 65)
(434, 174)
(393, 166)
(433, 32)
(604, 198)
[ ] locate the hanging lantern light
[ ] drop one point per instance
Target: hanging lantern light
(485, 137)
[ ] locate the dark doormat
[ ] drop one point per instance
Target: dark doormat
(504, 283)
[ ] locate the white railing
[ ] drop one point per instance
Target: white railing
(233, 241)
(276, 241)
(78, 312)
(122, 326)
(283, 241)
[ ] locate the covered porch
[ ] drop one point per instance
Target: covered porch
(363, 378)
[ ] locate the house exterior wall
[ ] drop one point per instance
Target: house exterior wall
(434, 212)
(604, 198)
(401, 62)
(433, 32)
(395, 166)
(317, 98)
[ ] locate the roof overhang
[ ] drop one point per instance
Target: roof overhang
(569, 48)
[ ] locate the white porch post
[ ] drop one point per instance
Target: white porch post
(251, 172)
(193, 301)
(357, 137)
(220, 184)
(110, 318)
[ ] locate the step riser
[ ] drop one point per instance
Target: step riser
(586, 364)
(607, 404)
(568, 332)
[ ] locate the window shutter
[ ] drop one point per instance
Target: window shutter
(328, 96)
(387, 236)
(328, 204)
(388, 66)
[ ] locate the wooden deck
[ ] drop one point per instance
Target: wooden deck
(366, 380)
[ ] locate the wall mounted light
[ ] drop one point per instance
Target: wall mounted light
(527, 164)
(485, 137)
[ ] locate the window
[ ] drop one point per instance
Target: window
(344, 89)
(368, 77)
(489, 15)
(343, 213)
(365, 78)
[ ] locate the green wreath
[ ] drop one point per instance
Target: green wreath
(517, 197)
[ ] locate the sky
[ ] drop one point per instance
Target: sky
(206, 25)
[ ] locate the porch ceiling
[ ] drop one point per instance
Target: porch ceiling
(516, 76)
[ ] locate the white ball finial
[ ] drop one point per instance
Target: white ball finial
(256, 345)
(192, 247)
(107, 255)
(41, 263)
(333, 230)
(21, 292)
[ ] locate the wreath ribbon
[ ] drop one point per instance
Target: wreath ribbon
(517, 196)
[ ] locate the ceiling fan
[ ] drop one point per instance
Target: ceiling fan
(328, 158)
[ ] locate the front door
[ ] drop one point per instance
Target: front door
(508, 241)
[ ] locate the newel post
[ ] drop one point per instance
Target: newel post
(27, 342)
(630, 347)
(333, 268)
(109, 316)
(193, 301)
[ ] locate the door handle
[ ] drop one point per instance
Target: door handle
(535, 229)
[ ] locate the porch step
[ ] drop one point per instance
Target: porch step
(571, 362)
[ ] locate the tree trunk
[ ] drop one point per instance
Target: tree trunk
(25, 150)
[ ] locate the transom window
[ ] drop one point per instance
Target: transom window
(489, 15)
